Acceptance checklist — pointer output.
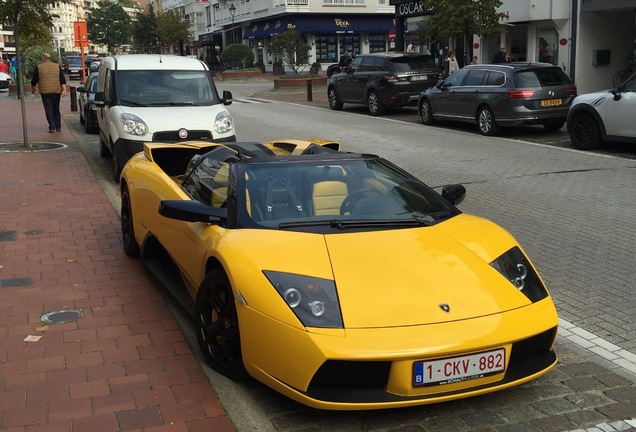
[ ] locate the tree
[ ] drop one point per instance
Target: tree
(26, 17)
(145, 31)
(292, 50)
(172, 29)
(238, 56)
(108, 24)
(467, 17)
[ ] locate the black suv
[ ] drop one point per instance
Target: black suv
(494, 95)
(383, 80)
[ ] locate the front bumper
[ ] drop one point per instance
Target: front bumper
(363, 369)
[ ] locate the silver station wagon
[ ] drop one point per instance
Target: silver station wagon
(496, 95)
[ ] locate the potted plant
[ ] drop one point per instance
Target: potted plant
(315, 68)
(278, 68)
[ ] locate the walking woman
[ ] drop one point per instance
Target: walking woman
(451, 63)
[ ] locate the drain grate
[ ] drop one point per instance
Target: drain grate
(60, 317)
(15, 282)
(8, 235)
(33, 232)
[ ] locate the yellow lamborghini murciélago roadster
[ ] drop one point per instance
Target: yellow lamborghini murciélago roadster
(335, 278)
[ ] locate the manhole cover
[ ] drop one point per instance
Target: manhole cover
(61, 317)
(32, 147)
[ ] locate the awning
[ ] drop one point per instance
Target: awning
(327, 24)
(261, 29)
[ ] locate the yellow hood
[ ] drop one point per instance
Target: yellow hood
(404, 277)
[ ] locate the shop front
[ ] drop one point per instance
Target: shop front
(329, 35)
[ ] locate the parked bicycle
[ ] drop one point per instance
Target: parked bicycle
(623, 74)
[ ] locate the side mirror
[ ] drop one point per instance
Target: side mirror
(99, 99)
(617, 94)
(81, 89)
(227, 97)
(454, 194)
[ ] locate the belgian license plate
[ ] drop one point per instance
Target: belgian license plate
(419, 78)
(551, 102)
(458, 369)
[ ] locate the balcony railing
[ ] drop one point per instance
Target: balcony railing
(343, 2)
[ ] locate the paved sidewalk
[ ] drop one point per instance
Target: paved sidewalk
(124, 363)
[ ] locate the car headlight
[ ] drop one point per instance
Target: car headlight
(515, 267)
(223, 123)
(314, 301)
(133, 125)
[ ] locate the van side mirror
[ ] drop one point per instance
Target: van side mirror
(227, 97)
(99, 99)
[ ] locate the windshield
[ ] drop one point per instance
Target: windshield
(165, 88)
(315, 195)
(74, 61)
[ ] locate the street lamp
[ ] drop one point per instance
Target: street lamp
(232, 12)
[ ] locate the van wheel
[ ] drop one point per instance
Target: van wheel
(116, 167)
(486, 122)
(375, 105)
(104, 151)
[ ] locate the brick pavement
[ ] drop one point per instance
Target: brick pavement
(125, 364)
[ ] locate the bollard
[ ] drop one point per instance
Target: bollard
(309, 91)
(73, 99)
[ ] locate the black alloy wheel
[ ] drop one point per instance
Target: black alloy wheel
(375, 104)
(334, 102)
(584, 132)
(217, 326)
(127, 230)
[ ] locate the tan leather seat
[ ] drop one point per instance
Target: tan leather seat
(327, 197)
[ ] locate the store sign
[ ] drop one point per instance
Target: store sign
(412, 8)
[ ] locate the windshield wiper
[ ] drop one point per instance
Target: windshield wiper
(133, 103)
(357, 223)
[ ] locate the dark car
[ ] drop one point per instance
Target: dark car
(74, 67)
(383, 80)
(495, 95)
(86, 102)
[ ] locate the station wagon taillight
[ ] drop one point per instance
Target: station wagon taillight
(391, 78)
(520, 94)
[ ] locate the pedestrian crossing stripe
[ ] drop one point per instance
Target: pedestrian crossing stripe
(253, 101)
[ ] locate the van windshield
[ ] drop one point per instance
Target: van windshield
(165, 88)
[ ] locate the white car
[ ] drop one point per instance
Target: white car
(5, 79)
(604, 116)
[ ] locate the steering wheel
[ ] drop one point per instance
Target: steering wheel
(352, 199)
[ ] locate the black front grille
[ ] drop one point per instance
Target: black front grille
(173, 136)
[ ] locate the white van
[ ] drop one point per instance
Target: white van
(157, 98)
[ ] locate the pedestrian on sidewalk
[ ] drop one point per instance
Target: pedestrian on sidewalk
(51, 83)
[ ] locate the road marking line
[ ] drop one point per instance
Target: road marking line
(597, 345)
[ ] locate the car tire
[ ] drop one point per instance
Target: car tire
(127, 229)
(426, 112)
(553, 125)
(375, 104)
(584, 131)
(217, 326)
(116, 166)
(334, 102)
(104, 151)
(486, 122)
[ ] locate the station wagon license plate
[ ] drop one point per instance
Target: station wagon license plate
(419, 78)
(458, 369)
(551, 102)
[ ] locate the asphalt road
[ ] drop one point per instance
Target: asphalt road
(574, 213)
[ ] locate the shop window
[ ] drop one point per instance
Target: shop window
(377, 43)
(547, 46)
(350, 43)
(326, 49)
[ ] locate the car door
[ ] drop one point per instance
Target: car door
(468, 95)
(621, 111)
(349, 84)
(445, 102)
